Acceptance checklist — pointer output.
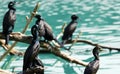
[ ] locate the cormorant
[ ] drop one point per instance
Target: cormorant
(9, 21)
(30, 57)
(69, 29)
(93, 66)
(46, 30)
(40, 24)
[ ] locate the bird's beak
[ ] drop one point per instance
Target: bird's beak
(16, 2)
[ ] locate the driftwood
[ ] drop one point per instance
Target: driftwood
(51, 49)
(93, 44)
(27, 39)
(18, 37)
(5, 72)
(6, 47)
(55, 50)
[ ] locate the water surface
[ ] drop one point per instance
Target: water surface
(99, 21)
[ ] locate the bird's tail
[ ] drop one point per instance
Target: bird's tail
(61, 45)
(6, 39)
(63, 42)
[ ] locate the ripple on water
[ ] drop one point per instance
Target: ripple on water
(99, 24)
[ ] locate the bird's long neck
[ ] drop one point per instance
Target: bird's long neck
(96, 56)
(74, 21)
(12, 8)
(38, 20)
(36, 35)
(35, 39)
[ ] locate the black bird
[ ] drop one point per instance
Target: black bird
(9, 21)
(40, 24)
(45, 30)
(70, 28)
(93, 66)
(30, 57)
(38, 63)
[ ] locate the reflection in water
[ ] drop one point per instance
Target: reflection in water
(68, 69)
(8, 62)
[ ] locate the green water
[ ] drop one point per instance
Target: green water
(99, 22)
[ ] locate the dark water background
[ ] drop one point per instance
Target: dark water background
(99, 23)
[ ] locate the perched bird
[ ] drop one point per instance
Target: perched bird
(45, 30)
(93, 66)
(69, 29)
(9, 21)
(30, 57)
(40, 24)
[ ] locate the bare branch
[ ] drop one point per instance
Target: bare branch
(93, 44)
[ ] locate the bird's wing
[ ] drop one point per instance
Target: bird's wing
(92, 67)
(47, 26)
(12, 17)
(69, 30)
